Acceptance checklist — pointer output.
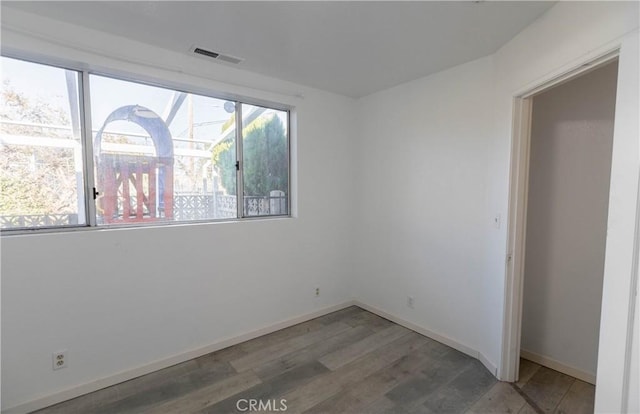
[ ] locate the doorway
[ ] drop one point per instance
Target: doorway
(570, 152)
(561, 164)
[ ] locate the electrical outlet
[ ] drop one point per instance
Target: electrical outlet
(60, 359)
(317, 291)
(410, 300)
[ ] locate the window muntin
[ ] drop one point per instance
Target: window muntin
(41, 154)
(175, 151)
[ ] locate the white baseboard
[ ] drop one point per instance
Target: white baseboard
(493, 369)
(126, 375)
(558, 366)
(433, 335)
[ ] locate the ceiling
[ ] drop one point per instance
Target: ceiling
(351, 48)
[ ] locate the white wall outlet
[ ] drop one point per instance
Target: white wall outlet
(60, 359)
(410, 300)
(317, 291)
(496, 221)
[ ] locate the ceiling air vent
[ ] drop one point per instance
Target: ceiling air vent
(206, 53)
(216, 55)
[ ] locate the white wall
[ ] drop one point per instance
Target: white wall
(421, 233)
(120, 299)
(457, 274)
(569, 172)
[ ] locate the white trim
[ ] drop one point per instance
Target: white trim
(559, 366)
(239, 141)
(126, 375)
(519, 177)
(86, 136)
(433, 335)
(493, 369)
(633, 303)
(594, 63)
(580, 65)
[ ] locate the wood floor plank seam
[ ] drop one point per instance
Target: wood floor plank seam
(303, 398)
(384, 379)
(528, 399)
(280, 349)
(431, 381)
(311, 352)
(207, 396)
(348, 354)
(501, 398)
(270, 390)
(564, 395)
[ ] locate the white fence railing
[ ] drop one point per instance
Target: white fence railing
(186, 207)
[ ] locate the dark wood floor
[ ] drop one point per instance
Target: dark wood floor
(350, 361)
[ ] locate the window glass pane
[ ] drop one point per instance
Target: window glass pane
(265, 156)
(157, 154)
(41, 165)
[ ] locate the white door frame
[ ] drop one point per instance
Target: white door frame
(518, 191)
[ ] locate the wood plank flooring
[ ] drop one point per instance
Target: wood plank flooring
(350, 361)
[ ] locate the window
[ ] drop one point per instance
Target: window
(153, 150)
(41, 157)
(154, 155)
(265, 161)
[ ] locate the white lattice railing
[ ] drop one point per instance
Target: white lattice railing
(186, 207)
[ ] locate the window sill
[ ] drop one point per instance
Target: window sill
(70, 229)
